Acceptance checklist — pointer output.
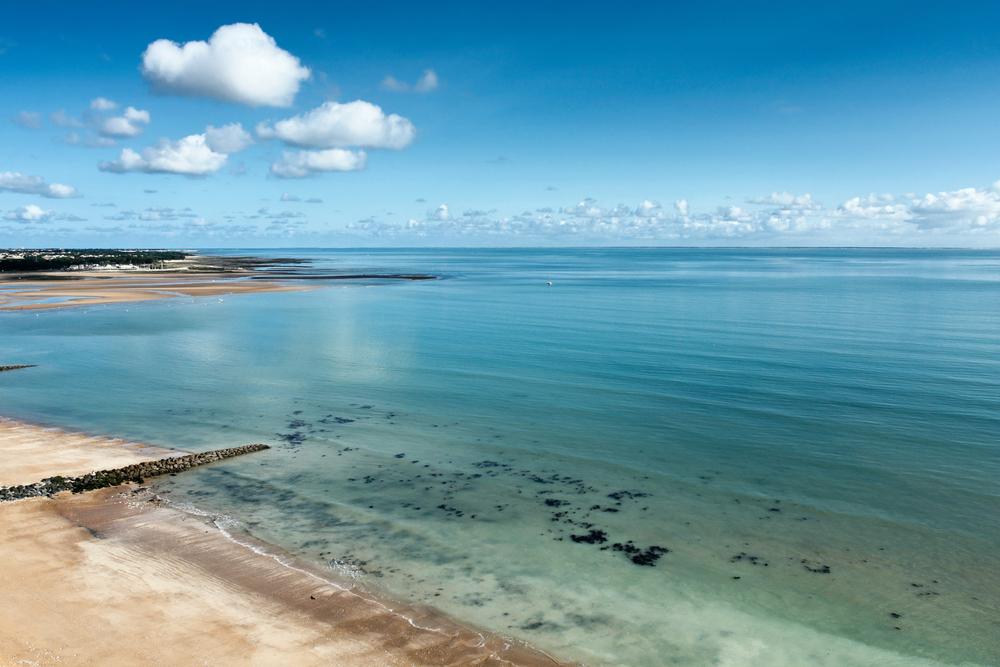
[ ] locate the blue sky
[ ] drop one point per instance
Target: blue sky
(454, 124)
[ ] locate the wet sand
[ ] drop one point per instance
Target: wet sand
(116, 577)
(102, 288)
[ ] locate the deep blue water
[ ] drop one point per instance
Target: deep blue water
(761, 414)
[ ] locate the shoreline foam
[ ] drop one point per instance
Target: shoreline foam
(116, 576)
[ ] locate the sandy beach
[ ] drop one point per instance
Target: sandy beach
(117, 577)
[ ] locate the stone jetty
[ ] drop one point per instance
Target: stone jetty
(134, 473)
(14, 368)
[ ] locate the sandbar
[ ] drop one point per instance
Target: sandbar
(105, 288)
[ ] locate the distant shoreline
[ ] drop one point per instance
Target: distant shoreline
(76, 566)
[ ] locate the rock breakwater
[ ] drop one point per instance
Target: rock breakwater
(14, 368)
(133, 473)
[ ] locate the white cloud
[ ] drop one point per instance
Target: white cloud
(969, 208)
(239, 63)
(190, 156)
(441, 214)
(427, 82)
(102, 104)
(681, 206)
(787, 201)
(304, 164)
(12, 181)
(231, 138)
(335, 125)
(588, 209)
(874, 207)
(314, 200)
(129, 124)
(585, 209)
(62, 119)
(30, 213)
(288, 197)
(648, 209)
(29, 119)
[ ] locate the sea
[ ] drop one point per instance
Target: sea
(643, 457)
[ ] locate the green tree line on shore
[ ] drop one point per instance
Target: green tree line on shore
(56, 260)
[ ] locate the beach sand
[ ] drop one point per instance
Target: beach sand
(117, 577)
(31, 453)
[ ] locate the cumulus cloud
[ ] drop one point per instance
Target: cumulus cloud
(30, 213)
(968, 210)
(441, 213)
(189, 156)
(681, 206)
(102, 104)
(874, 207)
(231, 138)
(129, 124)
(588, 209)
(648, 209)
(12, 181)
(239, 63)
(303, 164)
(787, 201)
(969, 207)
(288, 197)
(28, 119)
(335, 125)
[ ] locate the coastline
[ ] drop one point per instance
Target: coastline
(117, 575)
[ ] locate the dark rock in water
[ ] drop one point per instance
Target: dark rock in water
(638, 556)
(825, 569)
(555, 502)
(593, 537)
(14, 368)
(399, 456)
(649, 556)
(618, 495)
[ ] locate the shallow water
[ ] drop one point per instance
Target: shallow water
(810, 437)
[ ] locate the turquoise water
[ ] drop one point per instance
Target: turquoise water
(810, 437)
